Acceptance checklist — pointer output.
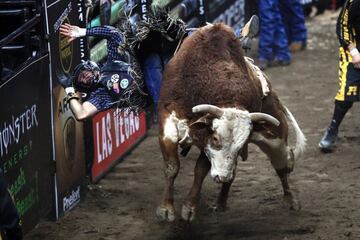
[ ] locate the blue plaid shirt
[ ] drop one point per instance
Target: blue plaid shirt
(114, 38)
(102, 98)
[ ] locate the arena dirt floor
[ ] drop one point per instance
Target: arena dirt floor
(122, 206)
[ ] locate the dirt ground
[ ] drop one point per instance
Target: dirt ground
(122, 206)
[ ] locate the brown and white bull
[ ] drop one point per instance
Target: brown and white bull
(215, 98)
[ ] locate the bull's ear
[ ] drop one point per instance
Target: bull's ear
(203, 121)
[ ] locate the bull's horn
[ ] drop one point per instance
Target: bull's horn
(265, 117)
(207, 108)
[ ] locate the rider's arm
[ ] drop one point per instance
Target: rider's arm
(107, 32)
(114, 38)
(83, 110)
(80, 110)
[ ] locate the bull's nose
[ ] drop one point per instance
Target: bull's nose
(219, 179)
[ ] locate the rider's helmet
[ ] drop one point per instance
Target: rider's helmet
(86, 76)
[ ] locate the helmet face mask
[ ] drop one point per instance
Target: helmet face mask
(86, 76)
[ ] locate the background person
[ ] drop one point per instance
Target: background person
(348, 32)
(294, 20)
(273, 44)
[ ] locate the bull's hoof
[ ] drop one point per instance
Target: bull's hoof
(220, 207)
(188, 213)
(292, 203)
(166, 214)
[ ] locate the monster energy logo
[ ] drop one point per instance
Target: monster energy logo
(16, 127)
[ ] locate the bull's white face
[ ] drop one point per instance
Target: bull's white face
(230, 132)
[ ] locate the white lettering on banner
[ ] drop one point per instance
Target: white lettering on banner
(137, 122)
(103, 138)
(108, 131)
(234, 15)
(80, 11)
(82, 48)
(116, 128)
(72, 200)
(81, 40)
(62, 17)
(117, 124)
(201, 7)
(98, 143)
(123, 124)
(122, 136)
(126, 125)
(143, 9)
(13, 130)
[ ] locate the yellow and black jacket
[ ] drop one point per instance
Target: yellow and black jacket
(348, 24)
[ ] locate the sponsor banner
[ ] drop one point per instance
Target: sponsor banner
(201, 12)
(230, 12)
(25, 140)
(191, 11)
(139, 9)
(194, 12)
(165, 4)
(70, 201)
(68, 132)
(115, 133)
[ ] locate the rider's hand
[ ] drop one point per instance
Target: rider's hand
(72, 31)
(65, 82)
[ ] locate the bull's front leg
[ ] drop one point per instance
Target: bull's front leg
(282, 159)
(169, 148)
(223, 196)
(202, 167)
(289, 198)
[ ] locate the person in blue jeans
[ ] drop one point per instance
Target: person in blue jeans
(152, 70)
(294, 20)
(273, 41)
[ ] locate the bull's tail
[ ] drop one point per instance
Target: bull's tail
(300, 137)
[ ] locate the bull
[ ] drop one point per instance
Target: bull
(218, 100)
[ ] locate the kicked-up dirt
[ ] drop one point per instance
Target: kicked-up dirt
(123, 204)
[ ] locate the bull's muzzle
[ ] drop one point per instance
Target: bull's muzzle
(220, 179)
